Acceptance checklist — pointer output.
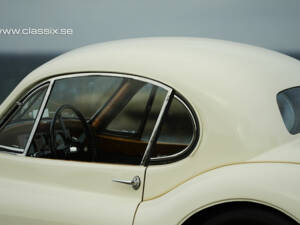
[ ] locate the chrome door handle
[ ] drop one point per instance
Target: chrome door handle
(135, 182)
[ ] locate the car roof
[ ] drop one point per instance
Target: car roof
(226, 72)
(175, 61)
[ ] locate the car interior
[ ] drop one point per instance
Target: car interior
(112, 124)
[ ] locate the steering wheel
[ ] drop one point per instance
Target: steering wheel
(71, 144)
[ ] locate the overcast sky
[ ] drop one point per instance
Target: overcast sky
(272, 24)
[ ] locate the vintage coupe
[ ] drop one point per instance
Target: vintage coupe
(154, 131)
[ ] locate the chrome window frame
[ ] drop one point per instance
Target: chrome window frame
(12, 111)
(147, 159)
(39, 116)
(178, 155)
(153, 138)
(65, 76)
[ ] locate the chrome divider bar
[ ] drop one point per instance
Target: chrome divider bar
(37, 120)
(153, 137)
(170, 157)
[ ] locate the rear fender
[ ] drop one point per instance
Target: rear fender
(272, 184)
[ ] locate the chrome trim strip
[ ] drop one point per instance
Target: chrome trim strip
(135, 77)
(155, 129)
(37, 120)
(160, 158)
(53, 79)
(20, 102)
(28, 94)
(12, 148)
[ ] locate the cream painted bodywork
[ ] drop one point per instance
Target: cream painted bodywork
(46, 192)
(232, 89)
(251, 182)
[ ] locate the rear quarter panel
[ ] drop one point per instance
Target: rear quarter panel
(272, 184)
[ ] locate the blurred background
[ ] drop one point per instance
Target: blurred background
(25, 44)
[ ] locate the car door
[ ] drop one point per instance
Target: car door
(40, 187)
(45, 191)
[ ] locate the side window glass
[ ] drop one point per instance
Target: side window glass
(17, 129)
(289, 106)
(87, 94)
(177, 130)
(98, 118)
(158, 99)
(130, 118)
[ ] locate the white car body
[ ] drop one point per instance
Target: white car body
(243, 153)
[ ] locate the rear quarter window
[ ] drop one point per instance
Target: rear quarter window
(289, 106)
